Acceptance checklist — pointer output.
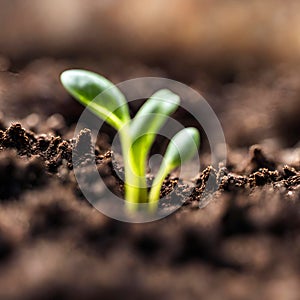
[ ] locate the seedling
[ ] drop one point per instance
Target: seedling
(137, 135)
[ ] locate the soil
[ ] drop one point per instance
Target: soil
(241, 241)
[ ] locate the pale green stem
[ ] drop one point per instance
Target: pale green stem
(135, 180)
(140, 160)
(156, 187)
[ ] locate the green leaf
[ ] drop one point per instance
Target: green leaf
(152, 116)
(147, 122)
(100, 95)
(182, 147)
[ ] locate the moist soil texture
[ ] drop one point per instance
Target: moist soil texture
(240, 241)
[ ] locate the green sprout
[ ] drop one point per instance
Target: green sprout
(137, 134)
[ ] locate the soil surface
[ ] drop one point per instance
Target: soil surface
(241, 241)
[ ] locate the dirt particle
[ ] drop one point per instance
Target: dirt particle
(258, 160)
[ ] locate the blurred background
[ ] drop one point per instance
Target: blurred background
(242, 56)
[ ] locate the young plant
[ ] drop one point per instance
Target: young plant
(137, 135)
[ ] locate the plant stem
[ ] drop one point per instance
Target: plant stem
(140, 160)
(156, 187)
(135, 180)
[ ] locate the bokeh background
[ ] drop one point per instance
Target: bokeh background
(243, 57)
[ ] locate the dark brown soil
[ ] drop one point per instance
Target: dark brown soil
(241, 241)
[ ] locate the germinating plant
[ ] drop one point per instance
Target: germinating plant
(137, 134)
